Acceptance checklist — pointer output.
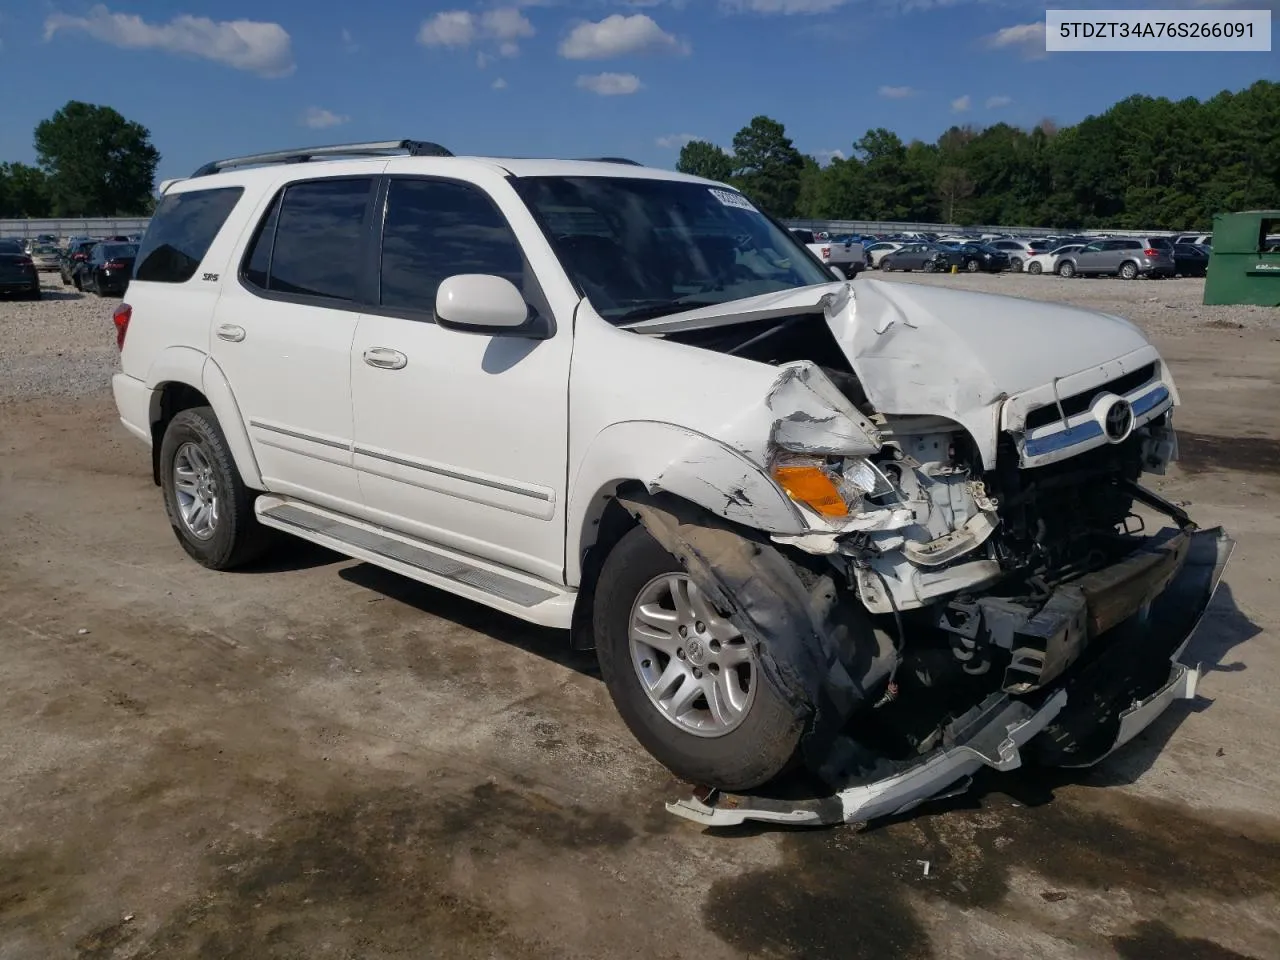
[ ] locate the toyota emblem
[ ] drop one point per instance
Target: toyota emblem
(1119, 421)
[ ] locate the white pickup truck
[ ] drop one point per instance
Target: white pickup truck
(849, 258)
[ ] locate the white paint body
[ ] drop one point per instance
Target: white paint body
(507, 450)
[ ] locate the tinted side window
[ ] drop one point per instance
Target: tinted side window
(435, 229)
(257, 263)
(181, 232)
(318, 238)
(1130, 245)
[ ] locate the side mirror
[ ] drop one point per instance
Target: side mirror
(481, 303)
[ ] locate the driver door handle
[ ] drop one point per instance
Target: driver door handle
(230, 332)
(384, 358)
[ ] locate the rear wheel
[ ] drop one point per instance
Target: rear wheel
(973, 266)
(1128, 270)
(682, 676)
(209, 507)
(1034, 268)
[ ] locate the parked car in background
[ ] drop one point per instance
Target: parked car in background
(1199, 239)
(46, 257)
(878, 251)
(1125, 257)
(977, 257)
(108, 269)
(73, 258)
(1190, 260)
(849, 258)
(1018, 251)
(928, 257)
(1046, 262)
(18, 276)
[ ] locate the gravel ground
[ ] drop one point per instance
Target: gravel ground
(64, 345)
(60, 346)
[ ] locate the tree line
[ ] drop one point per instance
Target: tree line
(1147, 162)
(90, 162)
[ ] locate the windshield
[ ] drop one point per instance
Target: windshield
(645, 248)
(113, 250)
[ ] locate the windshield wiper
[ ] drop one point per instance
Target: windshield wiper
(666, 308)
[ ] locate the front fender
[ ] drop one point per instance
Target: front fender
(677, 460)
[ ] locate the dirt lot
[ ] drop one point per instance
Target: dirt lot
(318, 759)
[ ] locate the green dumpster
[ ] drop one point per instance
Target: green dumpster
(1245, 264)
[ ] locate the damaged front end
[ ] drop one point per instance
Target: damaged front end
(975, 580)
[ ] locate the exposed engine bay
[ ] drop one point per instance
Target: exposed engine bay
(997, 565)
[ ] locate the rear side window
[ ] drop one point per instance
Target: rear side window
(309, 242)
(1161, 243)
(181, 232)
(435, 229)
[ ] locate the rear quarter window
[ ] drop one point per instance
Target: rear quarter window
(181, 232)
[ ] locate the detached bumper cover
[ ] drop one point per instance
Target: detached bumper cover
(1100, 705)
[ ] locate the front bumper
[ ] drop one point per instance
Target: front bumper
(1096, 707)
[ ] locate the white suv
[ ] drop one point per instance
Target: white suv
(868, 522)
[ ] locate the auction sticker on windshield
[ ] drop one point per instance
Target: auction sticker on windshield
(732, 199)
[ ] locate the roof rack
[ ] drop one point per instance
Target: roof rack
(630, 163)
(414, 148)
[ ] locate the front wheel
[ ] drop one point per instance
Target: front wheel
(886, 266)
(1067, 269)
(209, 507)
(930, 266)
(1015, 265)
(682, 675)
(1034, 268)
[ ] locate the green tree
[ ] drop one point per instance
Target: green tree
(24, 191)
(767, 166)
(954, 185)
(98, 163)
(702, 159)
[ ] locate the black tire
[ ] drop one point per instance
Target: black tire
(1015, 265)
(929, 267)
(886, 265)
(237, 536)
(1066, 269)
(1128, 270)
(972, 266)
(1034, 268)
(751, 754)
(34, 294)
(75, 281)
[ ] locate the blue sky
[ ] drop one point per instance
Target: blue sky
(567, 77)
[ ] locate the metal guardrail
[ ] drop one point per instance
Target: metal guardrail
(72, 227)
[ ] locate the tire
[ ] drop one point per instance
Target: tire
(929, 267)
(972, 266)
(1015, 265)
(1066, 269)
(750, 753)
(235, 537)
(34, 294)
(1034, 268)
(76, 283)
(886, 265)
(1128, 270)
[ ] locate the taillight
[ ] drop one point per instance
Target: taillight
(826, 253)
(80, 256)
(121, 318)
(114, 265)
(1151, 252)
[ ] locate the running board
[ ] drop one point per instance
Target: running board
(519, 594)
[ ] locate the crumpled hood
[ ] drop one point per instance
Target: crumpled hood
(924, 349)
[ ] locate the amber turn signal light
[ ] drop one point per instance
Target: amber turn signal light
(812, 487)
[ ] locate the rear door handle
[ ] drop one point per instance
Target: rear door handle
(231, 332)
(384, 358)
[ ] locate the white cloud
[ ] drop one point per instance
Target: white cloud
(896, 93)
(826, 156)
(448, 28)
(961, 104)
(499, 84)
(483, 59)
(616, 36)
(609, 84)
(318, 118)
(258, 47)
(783, 7)
(349, 42)
(462, 28)
(1027, 38)
(995, 103)
(673, 140)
